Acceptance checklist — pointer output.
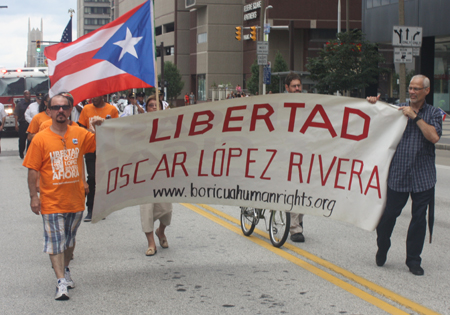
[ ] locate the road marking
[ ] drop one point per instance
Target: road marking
(317, 271)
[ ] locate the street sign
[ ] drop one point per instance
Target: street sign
(416, 51)
(403, 55)
(267, 74)
(262, 60)
(407, 36)
(267, 28)
(262, 48)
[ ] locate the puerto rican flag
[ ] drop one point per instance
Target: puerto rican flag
(444, 114)
(115, 57)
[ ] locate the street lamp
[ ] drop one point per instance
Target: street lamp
(266, 38)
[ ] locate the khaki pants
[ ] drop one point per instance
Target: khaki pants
(155, 211)
(296, 220)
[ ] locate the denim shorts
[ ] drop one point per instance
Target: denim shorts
(60, 230)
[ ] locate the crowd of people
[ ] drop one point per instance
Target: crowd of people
(59, 135)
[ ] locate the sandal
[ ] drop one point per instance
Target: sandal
(162, 241)
(150, 252)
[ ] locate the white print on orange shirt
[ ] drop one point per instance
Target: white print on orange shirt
(64, 164)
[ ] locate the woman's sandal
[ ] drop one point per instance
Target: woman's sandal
(162, 241)
(150, 252)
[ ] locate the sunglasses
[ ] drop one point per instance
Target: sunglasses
(58, 107)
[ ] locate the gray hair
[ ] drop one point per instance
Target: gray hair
(426, 81)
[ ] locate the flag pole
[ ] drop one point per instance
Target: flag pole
(152, 16)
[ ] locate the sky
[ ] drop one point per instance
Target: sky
(14, 26)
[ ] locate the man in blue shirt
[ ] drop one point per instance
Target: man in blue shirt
(412, 173)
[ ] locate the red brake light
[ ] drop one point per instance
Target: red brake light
(19, 70)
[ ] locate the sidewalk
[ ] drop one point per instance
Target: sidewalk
(444, 142)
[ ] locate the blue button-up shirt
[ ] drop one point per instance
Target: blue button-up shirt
(413, 165)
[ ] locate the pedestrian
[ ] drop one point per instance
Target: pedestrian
(34, 108)
(191, 98)
(412, 173)
(57, 155)
(2, 122)
(155, 211)
(293, 84)
(132, 108)
(140, 100)
(186, 99)
(39, 118)
(106, 111)
(21, 123)
(164, 104)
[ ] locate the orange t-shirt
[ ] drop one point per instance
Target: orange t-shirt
(89, 111)
(60, 162)
(48, 123)
(37, 121)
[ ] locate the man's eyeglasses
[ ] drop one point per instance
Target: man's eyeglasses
(414, 89)
(58, 107)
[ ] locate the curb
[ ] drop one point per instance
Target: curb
(441, 146)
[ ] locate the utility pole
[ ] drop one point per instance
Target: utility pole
(261, 38)
(402, 66)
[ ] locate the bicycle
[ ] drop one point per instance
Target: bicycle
(279, 223)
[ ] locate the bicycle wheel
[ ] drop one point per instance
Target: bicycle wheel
(279, 224)
(248, 219)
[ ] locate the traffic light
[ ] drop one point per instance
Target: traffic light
(38, 45)
(253, 33)
(238, 32)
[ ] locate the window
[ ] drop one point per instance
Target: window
(169, 27)
(87, 31)
(169, 50)
(97, 10)
(96, 21)
(202, 38)
(105, 1)
(158, 30)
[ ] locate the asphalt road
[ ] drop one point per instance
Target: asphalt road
(211, 268)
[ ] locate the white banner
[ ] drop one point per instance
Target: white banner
(313, 154)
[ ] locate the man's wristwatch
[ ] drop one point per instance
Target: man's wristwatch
(415, 120)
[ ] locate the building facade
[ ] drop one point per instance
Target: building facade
(434, 59)
(198, 36)
(92, 14)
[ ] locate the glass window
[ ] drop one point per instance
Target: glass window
(441, 97)
(158, 30)
(201, 83)
(385, 2)
(394, 1)
(12, 86)
(169, 27)
(369, 4)
(376, 3)
(37, 85)
(202, 38)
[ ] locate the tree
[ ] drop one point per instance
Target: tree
(347, 63)
(279, 66)
(253, 82)
(174, 82)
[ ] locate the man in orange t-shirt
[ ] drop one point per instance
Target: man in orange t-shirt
(56, 153)
(98, 108)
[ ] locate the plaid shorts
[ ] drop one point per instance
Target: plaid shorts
(60, 230)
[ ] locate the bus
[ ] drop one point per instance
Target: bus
(13, 82)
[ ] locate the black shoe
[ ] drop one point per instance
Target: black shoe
(416, 270)
(298, 238)
(88, 218)
(380, 258)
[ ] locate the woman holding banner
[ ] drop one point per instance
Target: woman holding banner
(155, 211)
